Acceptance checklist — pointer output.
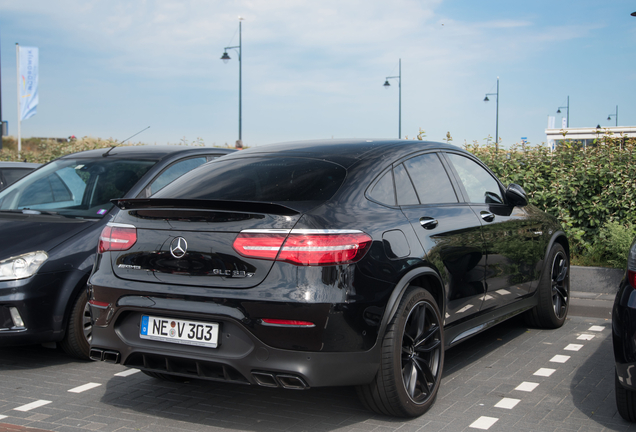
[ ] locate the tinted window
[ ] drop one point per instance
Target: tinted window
(405, 193)
(75, 187)
(431, 181)
(13, 174)
(50, 189)
(259, 179)
(175, 171)
(479, 184)
(383, 190)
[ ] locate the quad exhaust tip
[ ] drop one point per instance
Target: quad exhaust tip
(104, 355)
(286, 381)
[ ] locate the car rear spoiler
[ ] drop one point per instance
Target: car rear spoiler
(235, 206)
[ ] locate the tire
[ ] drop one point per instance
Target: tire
(412, 359)
(165, 377)
(553, 291)
(625, 400)
(77, 340)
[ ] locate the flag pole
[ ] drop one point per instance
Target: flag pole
(17, 56)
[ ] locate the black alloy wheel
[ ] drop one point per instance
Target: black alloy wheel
(420, 352)
(412, 359)
(560, 281)
(553, 291)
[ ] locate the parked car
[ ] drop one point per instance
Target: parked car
(50, 223)
(10, 172)
(624, 340)
(324, 264)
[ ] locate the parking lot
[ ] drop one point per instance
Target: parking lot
(509, 378)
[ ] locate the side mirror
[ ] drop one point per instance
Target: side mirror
(516, 195)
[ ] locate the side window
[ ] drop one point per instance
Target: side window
(173, 172)
(431, 180)
(404, 187)
(479, 184)
(383, 190)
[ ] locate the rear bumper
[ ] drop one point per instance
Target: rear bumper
(240, 357)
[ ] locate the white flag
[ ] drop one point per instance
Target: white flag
(28, 81)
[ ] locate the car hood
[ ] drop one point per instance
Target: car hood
(22, 233)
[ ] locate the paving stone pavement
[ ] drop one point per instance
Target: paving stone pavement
(490, 383)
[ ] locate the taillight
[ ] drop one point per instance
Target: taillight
(305, 247)
(117, 237)
(631, 265)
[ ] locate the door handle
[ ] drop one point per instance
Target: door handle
(487, 216)
(428, 223)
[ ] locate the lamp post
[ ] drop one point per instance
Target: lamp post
(387, 84)
(567, 107)
(496, 115)
(609, 117)
(225, 57)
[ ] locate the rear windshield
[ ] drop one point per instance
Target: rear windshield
(259, 179)
(74, 187)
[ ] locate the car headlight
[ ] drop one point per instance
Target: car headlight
(22, 266)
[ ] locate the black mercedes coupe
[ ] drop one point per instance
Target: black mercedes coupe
(324, 263)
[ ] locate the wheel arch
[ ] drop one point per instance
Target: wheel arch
(424, 277)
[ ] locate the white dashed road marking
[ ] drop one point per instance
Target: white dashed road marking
(484, 422)
(32, 405)
(585, 337)
(3, 417)
(507, 403)
(127, 372)
(596, 328)
(573, 347)
(544, 372)
(84, 387)
(559, 359)
(527, 386)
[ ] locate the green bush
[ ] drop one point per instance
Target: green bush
(612, 244)
(585, 188)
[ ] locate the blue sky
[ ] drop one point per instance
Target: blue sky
(315, 70)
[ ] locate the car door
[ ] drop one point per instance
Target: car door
(448, 230)
(509, 233)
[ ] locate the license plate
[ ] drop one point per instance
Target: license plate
(186, 332)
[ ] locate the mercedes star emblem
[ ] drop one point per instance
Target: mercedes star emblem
(178, 247)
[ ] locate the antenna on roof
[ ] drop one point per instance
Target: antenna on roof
(132, 136)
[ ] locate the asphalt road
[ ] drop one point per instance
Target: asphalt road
(509, 378)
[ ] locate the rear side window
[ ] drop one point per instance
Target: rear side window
(430, 179)
(259, 179)
(383, 190)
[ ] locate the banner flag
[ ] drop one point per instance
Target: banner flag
(28, 81)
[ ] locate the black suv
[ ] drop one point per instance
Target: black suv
(323, 264)
(50, 223)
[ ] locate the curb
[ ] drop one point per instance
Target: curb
(598, 280)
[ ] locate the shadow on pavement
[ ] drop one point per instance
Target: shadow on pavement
(250, 408)
(32, 357)
(592, 388)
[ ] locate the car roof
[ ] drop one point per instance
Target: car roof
(7, 164)
(148, 152)
(345, 152)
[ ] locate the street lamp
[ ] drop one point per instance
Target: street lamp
(225, 57)
(567, 107)
(496, 115)
(609, 117)
(387, 84)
